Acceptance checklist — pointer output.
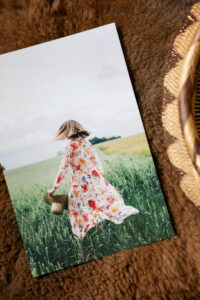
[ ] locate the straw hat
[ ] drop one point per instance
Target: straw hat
(58, 203)
(181, 106)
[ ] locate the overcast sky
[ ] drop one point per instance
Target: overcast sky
(82, 77)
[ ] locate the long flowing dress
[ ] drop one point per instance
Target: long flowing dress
(91, 198)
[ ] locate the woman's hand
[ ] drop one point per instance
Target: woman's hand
(50, 192)
(102, 171)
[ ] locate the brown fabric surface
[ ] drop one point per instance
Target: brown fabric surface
(165, 270)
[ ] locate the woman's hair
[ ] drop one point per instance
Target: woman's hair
(71, 129)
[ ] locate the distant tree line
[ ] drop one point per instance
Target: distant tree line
(2, 167)
(60, 152)
(95, 140)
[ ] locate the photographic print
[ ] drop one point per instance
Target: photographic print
(74, 152)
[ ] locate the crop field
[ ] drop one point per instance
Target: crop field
(133, 145)
(48, 239)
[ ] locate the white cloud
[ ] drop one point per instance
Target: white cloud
(55, 81)
(30, 139)
(109, 71)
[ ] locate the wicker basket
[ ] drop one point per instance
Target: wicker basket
(58, 203)
(181, 106)
(189, 100)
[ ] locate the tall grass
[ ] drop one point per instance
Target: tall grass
(48, 238)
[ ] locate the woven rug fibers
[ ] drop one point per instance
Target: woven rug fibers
(166, 270)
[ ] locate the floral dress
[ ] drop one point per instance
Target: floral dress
(91, 198)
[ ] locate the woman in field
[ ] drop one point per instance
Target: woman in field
(91, 198)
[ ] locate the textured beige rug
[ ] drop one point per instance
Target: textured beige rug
(166, 270)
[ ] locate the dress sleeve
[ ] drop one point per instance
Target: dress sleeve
(98, 162)
(63, 168)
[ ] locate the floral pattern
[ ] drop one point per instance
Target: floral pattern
(91, 198)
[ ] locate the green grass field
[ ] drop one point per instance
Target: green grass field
(48, 238)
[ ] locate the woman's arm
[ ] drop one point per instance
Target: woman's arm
(62, 171)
